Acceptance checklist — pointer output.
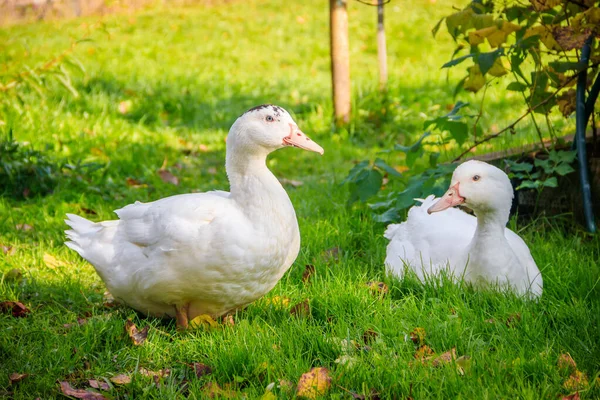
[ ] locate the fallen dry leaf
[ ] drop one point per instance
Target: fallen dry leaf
(134, 183)
(569, 38)
(7, 250)
(444, 358)
(15, 377)
(201, 369)
(138, 337)
(574, 396)
(88, 211)
(369, 336)
(566, 364)
(301, 309)
(67, 390)
(96, 384)
(203, 320)
(161, 373)
(314, 383)
(513, 319)
(168, 177)
(577, 381)
(121, 379)
(417, 336)
(23, 227)
(52, 262)
(16, 308)
(378, 287)
(423, 353)
(309, 270)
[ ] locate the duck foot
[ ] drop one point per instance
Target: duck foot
(181, 313)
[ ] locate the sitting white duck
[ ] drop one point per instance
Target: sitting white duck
(204, 253)
(479, 249)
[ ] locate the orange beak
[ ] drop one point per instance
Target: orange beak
(450, 199)
(297, 138)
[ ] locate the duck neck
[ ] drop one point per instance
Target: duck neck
(253, 185)
(490, 226)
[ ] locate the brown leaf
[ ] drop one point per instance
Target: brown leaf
(96, 384)
(88, 211)
(23, 227)
(67, 390)
(369, 336)
(417, 336)
(444, 358)
(121, 379)
(134, 183)
(314, 383)
(168, 177)
(379, 287)
(566, 364)
(201, 369)
(15, 377)
(568, 38)
(513, 320)
(423, 353)
(567, 102)
(301, 309)
(574, 396)
(138, 337)
(577, 381)
(16, 308)
(7, 250)
(309, 270)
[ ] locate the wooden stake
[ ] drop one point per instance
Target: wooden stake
(340, 60)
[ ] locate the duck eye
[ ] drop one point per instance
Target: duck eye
(476, 178)
(269, 118)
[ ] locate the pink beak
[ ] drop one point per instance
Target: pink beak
(297, 138)
(450, 199)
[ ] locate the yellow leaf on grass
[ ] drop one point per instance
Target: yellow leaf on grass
(314, 383)
(52, 262)
(121, 379)
(203, 320)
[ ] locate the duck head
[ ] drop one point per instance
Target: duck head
(266, 128)
(479, 186)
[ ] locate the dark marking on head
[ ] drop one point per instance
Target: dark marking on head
(276, 109)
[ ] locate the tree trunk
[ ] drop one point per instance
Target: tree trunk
(381, 48)
(340, 60)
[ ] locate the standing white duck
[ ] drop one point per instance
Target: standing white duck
(204, 253)
(479, 249)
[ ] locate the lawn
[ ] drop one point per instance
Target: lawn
(160, 89)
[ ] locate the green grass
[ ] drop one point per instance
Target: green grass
(188, 73)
